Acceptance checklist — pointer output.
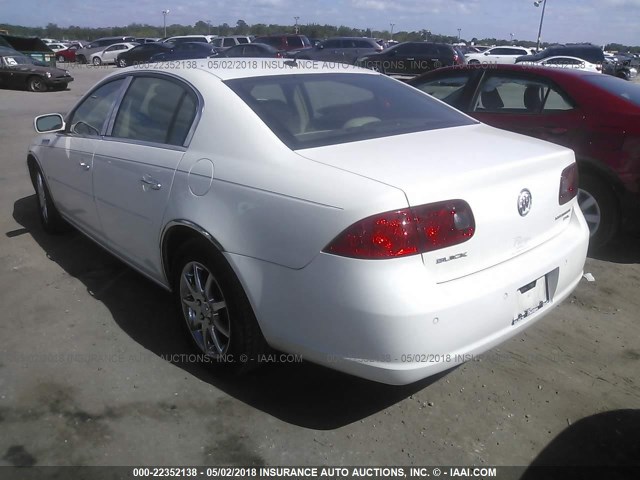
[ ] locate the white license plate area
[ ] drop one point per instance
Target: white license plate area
(531, 298)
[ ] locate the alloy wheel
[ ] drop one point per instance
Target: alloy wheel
(205, 309)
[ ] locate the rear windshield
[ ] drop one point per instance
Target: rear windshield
(313, 110)
(630, 91)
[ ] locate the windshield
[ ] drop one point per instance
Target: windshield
(313, 110)
(10, 61)
(630, 91)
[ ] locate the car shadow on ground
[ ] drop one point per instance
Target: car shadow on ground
(602, 446)
(624, 248)
(303, 394)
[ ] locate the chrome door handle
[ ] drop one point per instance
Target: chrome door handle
(151, 182)
(85, 166)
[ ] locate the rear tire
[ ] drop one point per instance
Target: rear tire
(50, 218)
(61, 59)
(122, 63)
(600, 208)
(215, 310)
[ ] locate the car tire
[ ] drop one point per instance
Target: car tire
(214, 308)
(378, 67)
(473, 62)
(600, 209)
(122, 63)
(50, 218)
(96, 61)
(61, 59)
(81, 59)
(623, 75)
(36, 84)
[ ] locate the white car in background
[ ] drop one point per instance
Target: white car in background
(505, 54)
(336, 216)
(110, 54)
(574, 63)
(56, 47)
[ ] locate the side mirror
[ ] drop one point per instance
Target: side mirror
(52, 122)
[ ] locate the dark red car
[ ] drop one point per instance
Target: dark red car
(68, 55)
(596, 115)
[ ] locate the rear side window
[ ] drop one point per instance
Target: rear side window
(91, 115)
(313, 110)
(512, 94)
(295, 42)
(273, 41)
(228, 42)
(155, 110)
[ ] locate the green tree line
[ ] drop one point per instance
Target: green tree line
(311, 30)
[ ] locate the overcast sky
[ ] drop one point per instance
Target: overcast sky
(596, 21)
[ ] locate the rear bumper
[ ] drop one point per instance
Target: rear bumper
(388, 321)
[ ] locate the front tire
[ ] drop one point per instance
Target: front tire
(50, 218)
(215, 310)
(600, 209)
(36, 84)
(61, 59)
(96, 61)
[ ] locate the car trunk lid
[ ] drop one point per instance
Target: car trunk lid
(494, 171)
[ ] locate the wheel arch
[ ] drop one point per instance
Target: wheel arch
(597, 169)
(176, 233)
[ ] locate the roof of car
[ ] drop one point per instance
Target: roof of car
(255, 67)
(546, 71)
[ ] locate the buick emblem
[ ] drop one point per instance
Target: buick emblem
(524, 202)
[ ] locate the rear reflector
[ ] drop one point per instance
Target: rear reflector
(406, 232)
(568, 184)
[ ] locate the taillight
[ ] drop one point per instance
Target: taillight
(568, 184)
(406, 232)
(456, 59)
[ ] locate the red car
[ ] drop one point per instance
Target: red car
(68, 55)
(596, 115)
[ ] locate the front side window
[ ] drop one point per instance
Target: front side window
(155, 110)
(313, 110)
(228, 42)
(449, 89)
(90, 117)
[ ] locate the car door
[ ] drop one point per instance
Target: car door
(69, 167)
(529, 104)
(329, 51)
(135, 165)
(110, 53)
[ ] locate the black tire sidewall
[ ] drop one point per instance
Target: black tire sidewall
(609, 210)
(54, 223)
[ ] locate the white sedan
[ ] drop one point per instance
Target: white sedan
(505, 54)
(333, 214)
(573, 63)
(110, 54)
